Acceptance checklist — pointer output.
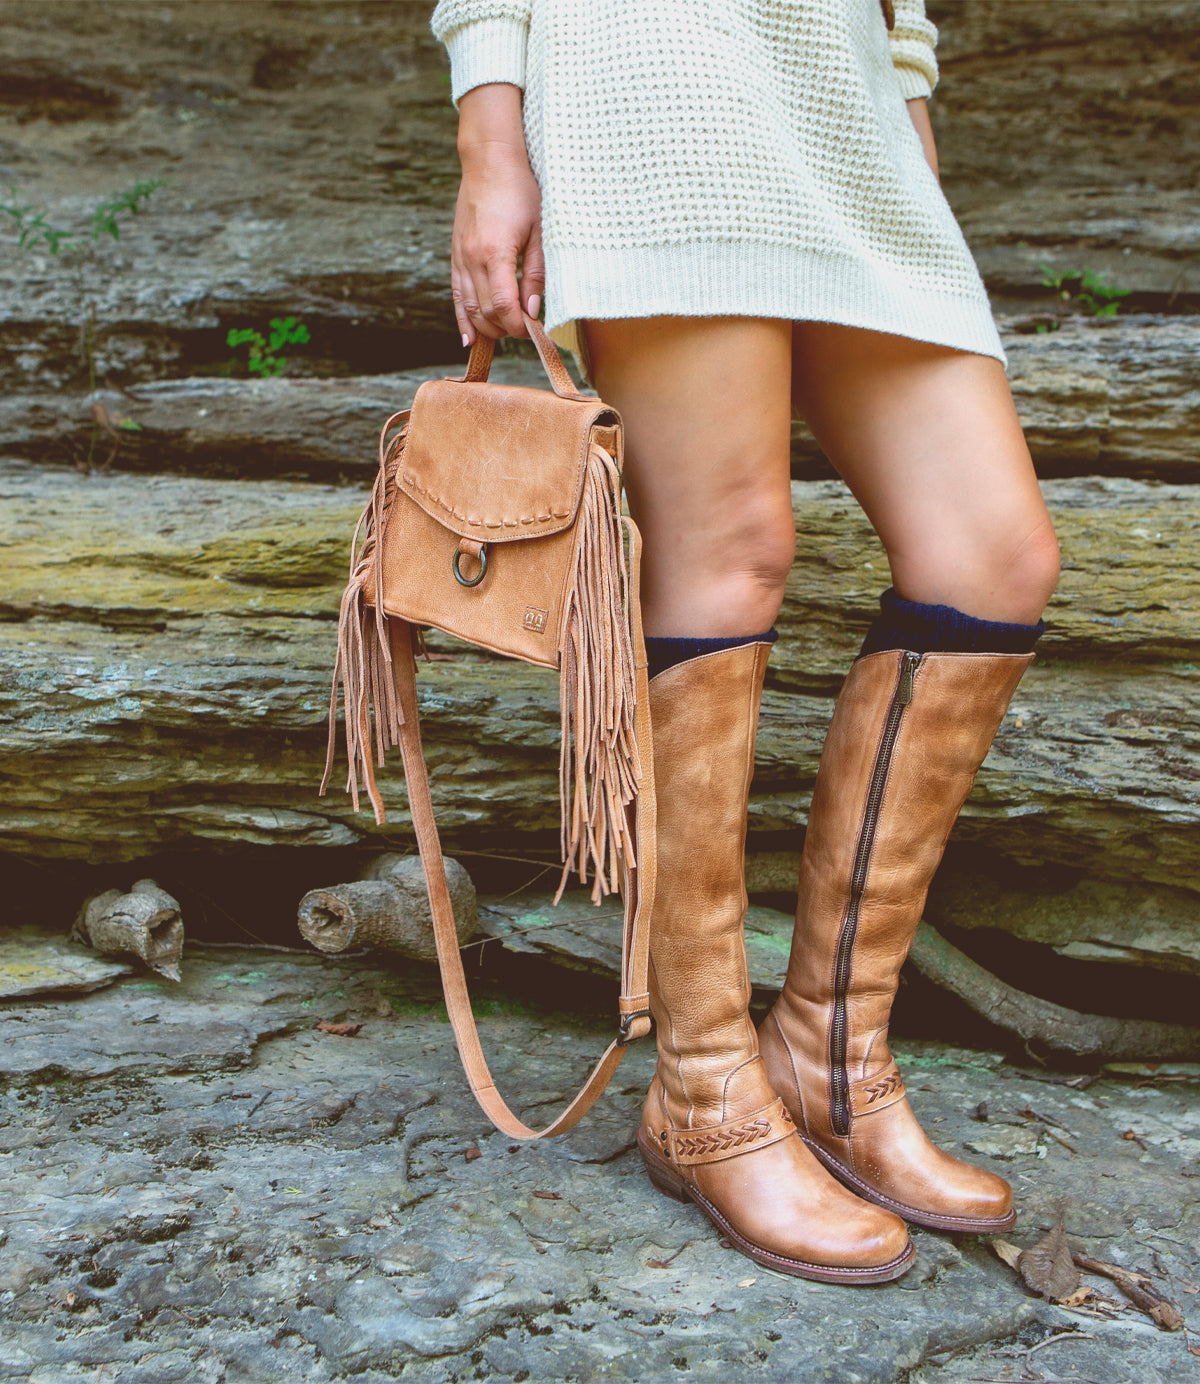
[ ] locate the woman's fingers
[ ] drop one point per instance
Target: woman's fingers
(500, 301)
(533, 272)
(461, 315)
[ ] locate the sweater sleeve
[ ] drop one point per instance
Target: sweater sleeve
(485, 40)
(912, 43)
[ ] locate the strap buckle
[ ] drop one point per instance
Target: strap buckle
(623, 1038)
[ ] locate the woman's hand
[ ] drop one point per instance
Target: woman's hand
(918, 110)
(498, 219)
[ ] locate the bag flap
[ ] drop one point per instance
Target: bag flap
(496, 462)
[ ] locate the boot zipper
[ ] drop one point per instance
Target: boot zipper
(839, 1078)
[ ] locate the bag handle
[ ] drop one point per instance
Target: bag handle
(480, 361)
(638, 891)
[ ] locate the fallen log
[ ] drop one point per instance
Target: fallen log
(388, 908)
(1051, 1027)
(145, 923)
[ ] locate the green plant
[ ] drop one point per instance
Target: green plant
(265, 356)
(1087, 288)
(33, 228)
(79, 253)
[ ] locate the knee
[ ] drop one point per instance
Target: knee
(757, 559)
(1035, 567)
(991, 574)
(734, 582)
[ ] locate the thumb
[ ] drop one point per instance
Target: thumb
(533, 272)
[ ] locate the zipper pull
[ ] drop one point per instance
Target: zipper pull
(908, 671)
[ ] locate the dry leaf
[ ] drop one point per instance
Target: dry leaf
(339, 1030)
(1048, 1268)
(1077, 1298)
(1166, 1315)
(549, 1196)
(472, 1154)
(747, 1282)
(1008, 1252)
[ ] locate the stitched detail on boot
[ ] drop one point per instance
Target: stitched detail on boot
(710, 1145)
(877, 1092)
(878, 1089)
(693, 1145)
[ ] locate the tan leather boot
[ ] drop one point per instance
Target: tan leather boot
(908, 735)
(713, 1131)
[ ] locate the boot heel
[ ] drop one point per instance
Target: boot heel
(664, 1178)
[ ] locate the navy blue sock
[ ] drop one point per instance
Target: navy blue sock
(924, 629)
(662, 654)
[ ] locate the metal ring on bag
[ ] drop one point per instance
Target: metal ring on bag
(470, 581)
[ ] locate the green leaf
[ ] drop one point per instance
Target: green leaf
(286, 331)
(244, 336)
(129, 425)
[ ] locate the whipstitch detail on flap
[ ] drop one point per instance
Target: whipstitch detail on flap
(411, 483)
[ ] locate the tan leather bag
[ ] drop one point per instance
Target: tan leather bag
(496, 517)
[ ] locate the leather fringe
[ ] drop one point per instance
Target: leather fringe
(599, 768)
(364, 659)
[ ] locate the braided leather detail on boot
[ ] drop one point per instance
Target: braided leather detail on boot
(691, 1146)
(877, 1092)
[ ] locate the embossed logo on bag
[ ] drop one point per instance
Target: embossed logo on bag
(535, 619)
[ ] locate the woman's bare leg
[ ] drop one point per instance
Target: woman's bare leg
(928, 440)
(706, 407)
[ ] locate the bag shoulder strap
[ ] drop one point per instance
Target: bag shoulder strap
(638, 891)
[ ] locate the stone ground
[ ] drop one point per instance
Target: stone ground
(201, 1185)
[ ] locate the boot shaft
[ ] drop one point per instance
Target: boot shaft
(705, 716)
(907, 737)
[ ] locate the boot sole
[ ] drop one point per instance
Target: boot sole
(960, 1225)
(666, 1180)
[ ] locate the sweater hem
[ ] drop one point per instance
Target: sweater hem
(736, 279)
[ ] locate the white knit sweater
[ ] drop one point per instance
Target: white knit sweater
(730, 157)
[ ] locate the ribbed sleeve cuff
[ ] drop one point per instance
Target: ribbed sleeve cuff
(912, 42)
(488, 50)
(915, 81)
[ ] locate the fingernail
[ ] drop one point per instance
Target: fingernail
(466, 339)
(534, 304)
